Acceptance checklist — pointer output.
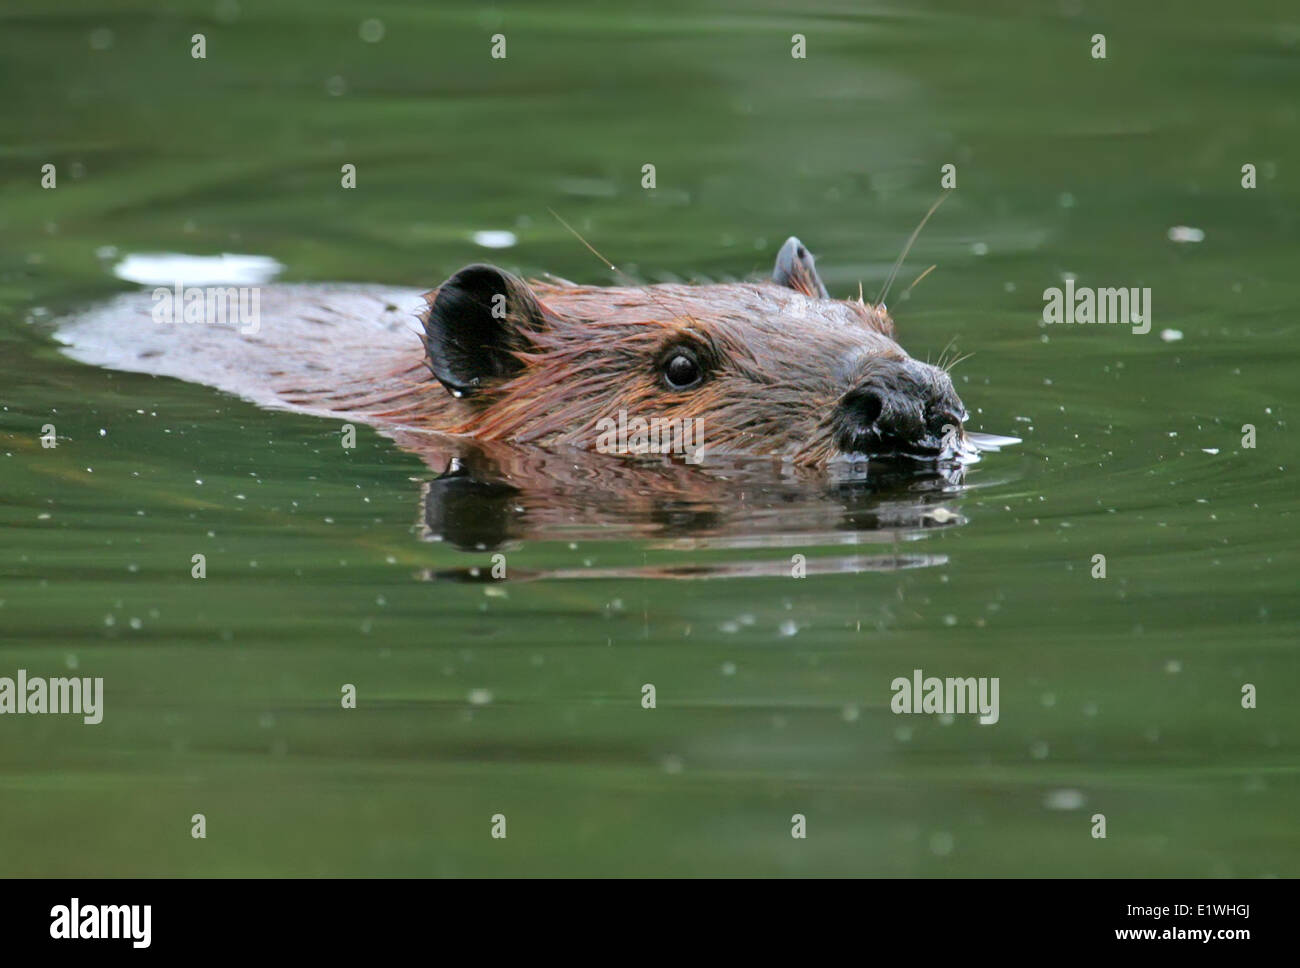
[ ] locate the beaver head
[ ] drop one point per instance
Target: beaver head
(773, 368)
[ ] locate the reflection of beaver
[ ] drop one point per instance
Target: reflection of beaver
(491, 494)
(773, 368)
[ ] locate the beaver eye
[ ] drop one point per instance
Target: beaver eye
(681, 370)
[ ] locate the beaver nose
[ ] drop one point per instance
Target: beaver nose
(889, 418)
(903, 407)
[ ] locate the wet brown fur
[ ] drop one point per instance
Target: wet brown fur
(779, 358)
(774, 354)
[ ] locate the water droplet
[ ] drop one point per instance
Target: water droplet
(941, 843)
(1063, 800)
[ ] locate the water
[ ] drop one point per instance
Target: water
(522, 697)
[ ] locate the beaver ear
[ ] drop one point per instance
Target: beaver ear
(475, 323)
(794, 269)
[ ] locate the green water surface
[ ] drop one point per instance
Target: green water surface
(1119, 696)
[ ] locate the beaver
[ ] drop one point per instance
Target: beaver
(775, 368)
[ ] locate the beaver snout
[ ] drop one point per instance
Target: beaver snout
(903, 408)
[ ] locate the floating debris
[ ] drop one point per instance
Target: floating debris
(171, 269)
(495, 239)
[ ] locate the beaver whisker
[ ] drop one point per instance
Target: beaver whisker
(612, 268)
(961, 359)
(944, 352)
(919, 278)
(908, 247)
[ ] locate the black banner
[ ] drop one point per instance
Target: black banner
(331, 918)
